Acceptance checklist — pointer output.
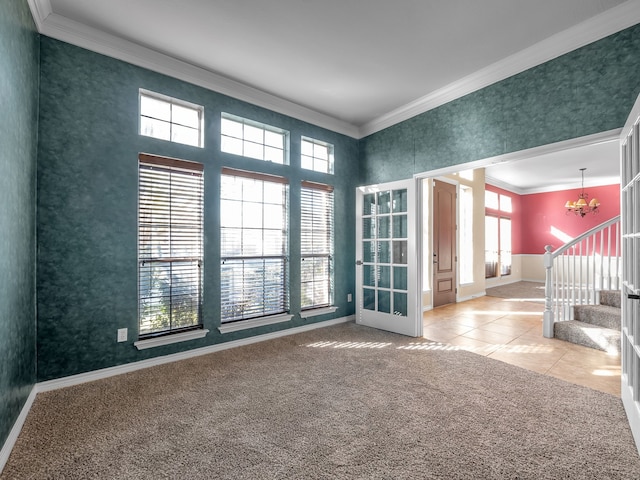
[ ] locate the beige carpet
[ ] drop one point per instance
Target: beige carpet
(522, 291)
(345, 402)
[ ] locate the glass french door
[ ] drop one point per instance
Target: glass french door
(386, 267)
(630, 223)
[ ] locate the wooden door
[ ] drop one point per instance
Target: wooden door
(444, 243)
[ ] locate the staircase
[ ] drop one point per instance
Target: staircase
(582, 282)
(594, 326)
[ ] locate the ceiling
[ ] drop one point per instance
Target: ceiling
(350, 66)
(560, 169)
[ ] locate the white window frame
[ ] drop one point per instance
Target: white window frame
(316, 245)
(174, 126)
(245, 245)
(315, 159)
(170, 249)
(248, 138)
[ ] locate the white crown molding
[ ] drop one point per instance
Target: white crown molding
(488, 180)
(40, 11)
(555, 188)
(589, 31)
(600, 26)
(75, 33)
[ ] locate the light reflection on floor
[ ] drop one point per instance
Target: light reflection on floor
(510, 330)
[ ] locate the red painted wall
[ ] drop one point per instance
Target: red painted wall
(540, 213)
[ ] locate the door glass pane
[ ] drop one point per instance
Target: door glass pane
(384, 254)
(400, 226)
(384, 277)
(400, 252)
(369, 204)
(400, 303)
(384, 227)
(369, 227)
(368, 252)
(369, 298)
(400, 200)
(399, 278)
(384, 202)
(384, 301)
(368, 276)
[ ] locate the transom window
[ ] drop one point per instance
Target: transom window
(316, 245)
(254, 248)
(241, 136)
(171, 119)
(497, 201)
(316, 155)
(170, 225)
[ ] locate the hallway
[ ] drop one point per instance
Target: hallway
(510, 330)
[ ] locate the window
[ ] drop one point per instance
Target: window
(466, 234)
(252, 139)
(171, 119)
(498, 208)
(316, 155)
(170, 219)
(253, 229)
(491, 200)
(316, 245)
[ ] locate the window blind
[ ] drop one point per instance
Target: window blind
(316, 245)
(170, 244)
(254, 248)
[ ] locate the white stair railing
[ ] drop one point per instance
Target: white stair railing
(577, 271)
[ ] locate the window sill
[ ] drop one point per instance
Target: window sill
(169, 339)
(317, 311)
(254, 322)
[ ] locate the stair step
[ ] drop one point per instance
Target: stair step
(610, 297)
(601, 315)
(588, 335)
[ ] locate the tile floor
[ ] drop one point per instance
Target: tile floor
(510, 330)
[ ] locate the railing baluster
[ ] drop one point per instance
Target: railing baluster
(576, 268)
(601, 259)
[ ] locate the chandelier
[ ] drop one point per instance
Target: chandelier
(580, 206)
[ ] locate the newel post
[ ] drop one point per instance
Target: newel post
(547, 318)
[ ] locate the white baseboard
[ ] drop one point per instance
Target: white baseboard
(17, 428)
(131, 367)
(470, 297)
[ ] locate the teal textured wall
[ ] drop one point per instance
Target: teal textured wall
(87, 201)
(586, 91)
(18, 136)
